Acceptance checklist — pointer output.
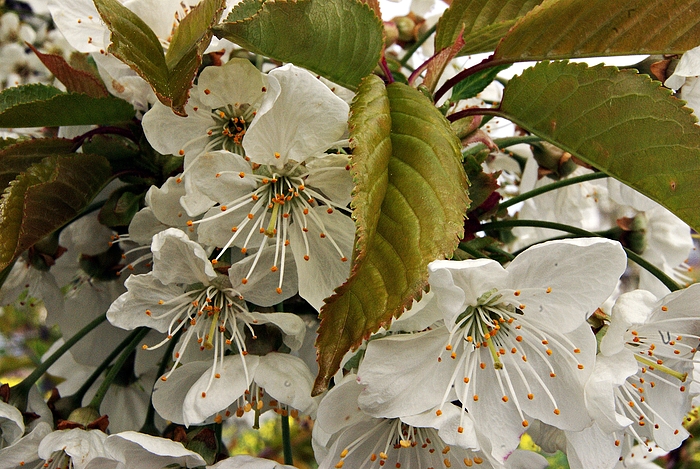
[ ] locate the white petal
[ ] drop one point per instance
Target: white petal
(80, 23)
(169, 133)
(141, 451)
(590, 448)
(287, 379)
(325, 270)
(165, 202)
(145, 293)
(248, 462)
(11, 424)
(329, 174)
(80, 445)
(608, 374)
(393, 365)
(217, 175)
(26, 449)
(292, 326)
(177, 259)
(338, 408)
(630, 308)
(458, 284)
(169, 396)
(222, 392)
(305, 120)
(236, 82)
(581, 274)
(261, 285)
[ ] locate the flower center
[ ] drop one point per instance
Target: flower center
(280, 203)
(211, 317)
(229, 127)
(495, 337)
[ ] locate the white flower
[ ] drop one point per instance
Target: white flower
(72, 448)
(285, 192)
(662, 336)
(201, 390)
(515, 344)
(184, 293)
(24, 451)
(221, 108)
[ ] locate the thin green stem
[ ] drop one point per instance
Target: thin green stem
(287, 441)
(506, 142)
(29, 381)
(114, 371)
(414, 47)
(655, 271)
(80, 393)
(149, 425)
(500, 252)
(471, 251)
(550, 187)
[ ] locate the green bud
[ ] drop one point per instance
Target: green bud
(406, 28)
(555, 162)
(84, 416)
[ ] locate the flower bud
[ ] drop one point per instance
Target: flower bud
(406, 27)
(554, 162)
(391, 33)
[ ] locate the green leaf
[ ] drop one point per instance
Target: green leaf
(75, 80)
(134, 43)
(560, 29)
(485, 22)
(45, 197)
(16, 158)
(18, 95)
(406, 160)
(622, 123)
(45, 106)
(475, 84)
(338, 39)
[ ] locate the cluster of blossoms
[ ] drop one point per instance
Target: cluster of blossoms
(563, 341)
